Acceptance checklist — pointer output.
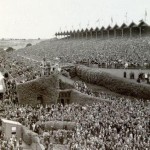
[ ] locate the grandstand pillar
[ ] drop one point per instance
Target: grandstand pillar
(130, 32)
(74, 35)
(102, 34)
(86, 35)
(122, 32)
(108, 33)
(91, 34)
(140, 31)
(82, 35)
(96, 35)
(114, 33)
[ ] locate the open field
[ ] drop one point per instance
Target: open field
(17, 44)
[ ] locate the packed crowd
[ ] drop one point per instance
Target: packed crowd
(11, 143)
(118, 124)
(24, 69)
(107, 53)
(121, 124)
(83, 88)
(26, 64)
(10, 92)
(20, 69)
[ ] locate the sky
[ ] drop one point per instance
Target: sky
(43, 18)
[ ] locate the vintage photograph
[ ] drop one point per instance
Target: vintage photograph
(74, 74)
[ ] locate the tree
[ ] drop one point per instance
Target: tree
(10, 49)
(29, 44)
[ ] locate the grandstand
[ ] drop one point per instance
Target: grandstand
(131, 30)
(115, 106)
(108, 52)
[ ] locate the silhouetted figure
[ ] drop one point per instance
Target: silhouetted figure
(138, 80)
(124, 74)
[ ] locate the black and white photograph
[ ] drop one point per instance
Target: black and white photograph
(74, 74)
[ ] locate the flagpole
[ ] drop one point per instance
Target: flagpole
(126, 17)
(145, 14)
(111, 21)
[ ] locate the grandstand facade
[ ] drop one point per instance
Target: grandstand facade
(131, 30)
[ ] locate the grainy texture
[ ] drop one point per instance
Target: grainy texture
(56, 125)
(47, 87)
(113, 83)
(28, 136)
(81, 98)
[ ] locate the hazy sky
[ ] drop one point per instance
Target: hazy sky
(42, 18)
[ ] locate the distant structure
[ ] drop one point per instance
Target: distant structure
(47, 68)
(131, 30)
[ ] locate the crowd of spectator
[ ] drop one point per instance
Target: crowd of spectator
(106, 53)
(83, 88)
(120, 124)
(11, 143)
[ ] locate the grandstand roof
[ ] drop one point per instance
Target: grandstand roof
(64, 33)
(123, 26)
(102, 28)
(87, 30)
(142, 23)
(132, 25)
(96, 29)
(116, 26)
(78, 31)
(108, 28)
(91, 29)
(82, 30)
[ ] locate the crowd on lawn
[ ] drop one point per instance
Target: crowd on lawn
(107, 53)
(26, 64)
(11, 143)
(120, 124)
(83, 88)
(24, 69)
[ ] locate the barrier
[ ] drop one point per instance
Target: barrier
(113, 83)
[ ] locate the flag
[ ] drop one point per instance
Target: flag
(111, 20)
(97, 21)
(145, 14)
(126, 15)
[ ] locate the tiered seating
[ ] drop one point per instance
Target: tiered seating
(134, 51)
